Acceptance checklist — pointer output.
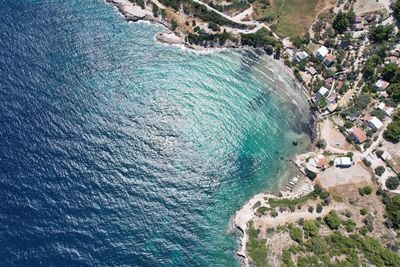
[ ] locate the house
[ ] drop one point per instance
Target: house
(386, 109)
(339, 85)
(329, 60)
(343, 162)
(332, 97)
(322, 92)
(322, 52)
(359, 27)
(383, 94)
(300, 56)
(381, 85)
(312, 71)
(358, 135)
(329, 81)
(358, 19)
(373, 122)
(332, 107)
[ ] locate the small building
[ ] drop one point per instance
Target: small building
(322, 52)
(358, 19)
(322, 92)
(332, 107)
(339, 85)
(312, 71)
(386, 109)
(343, 162)
(301, 56)
(359, 27)
(358, 135)
(329, 60)
(383, 94)
(329, 81)
(374, 123)
(381, 85)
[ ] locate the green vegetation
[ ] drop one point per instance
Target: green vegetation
(343, 20)
(392, 132)
(354, 250)
(392, 210)
(380, 33)
(363, 211)
(311, 228)
(332, 220)
(261, 38)
(367, 190)
(349, 225)
(392, 183)
(296, 234)
(379, 170)
(256, 247)
(396, 9)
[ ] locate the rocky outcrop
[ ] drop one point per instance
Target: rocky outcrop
(169, 38)
(130, 11)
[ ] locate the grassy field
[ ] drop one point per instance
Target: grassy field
(291, 17)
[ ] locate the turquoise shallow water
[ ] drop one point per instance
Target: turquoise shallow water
(117, 150)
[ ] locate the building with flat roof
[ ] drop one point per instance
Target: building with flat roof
(321, 52)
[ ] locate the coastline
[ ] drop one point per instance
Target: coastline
(246, 213)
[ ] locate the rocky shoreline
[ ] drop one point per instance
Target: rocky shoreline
(134, 13)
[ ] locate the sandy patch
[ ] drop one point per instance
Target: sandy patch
(339, 176)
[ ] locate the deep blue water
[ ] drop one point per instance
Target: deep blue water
(118, 151)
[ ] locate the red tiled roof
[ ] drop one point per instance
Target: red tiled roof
(359, 134)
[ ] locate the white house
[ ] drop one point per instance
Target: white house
(381, 85)
(322, 52)
(375, 123)
(300, 56)
(386, 109)
(343, 162)
(322, 92)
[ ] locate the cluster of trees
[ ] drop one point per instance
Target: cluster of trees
(392, 210)
(206, 39)
(380, 33)
(392, 132)
(396, 9)
(392, 183)
(261, 38)
(343, 20)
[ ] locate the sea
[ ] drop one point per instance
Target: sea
(116, 150)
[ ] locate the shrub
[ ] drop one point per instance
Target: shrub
(332, 220)
(321, 143)
(392, 183)
(319, 208)
(274, 213)
(363, 211)
(257, 248)
(311, 229)
(367, 190)
(310, 174)
(296, 234)
(379, 153)
(310, 209)
(350, 225)
(379, 170)
(393, 209)
(366, 162)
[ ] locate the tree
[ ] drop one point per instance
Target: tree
(174, 24)
(363, 211)
(319, 208)
(342, 21)
(380, 33)
(392, 132)
(332, 220)
(379, 170)
(367, 190)
(391, 73)
(392, 183)
(396, 10)
(393, 209)
(394, 92)
(311, 228)
(296, 234)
